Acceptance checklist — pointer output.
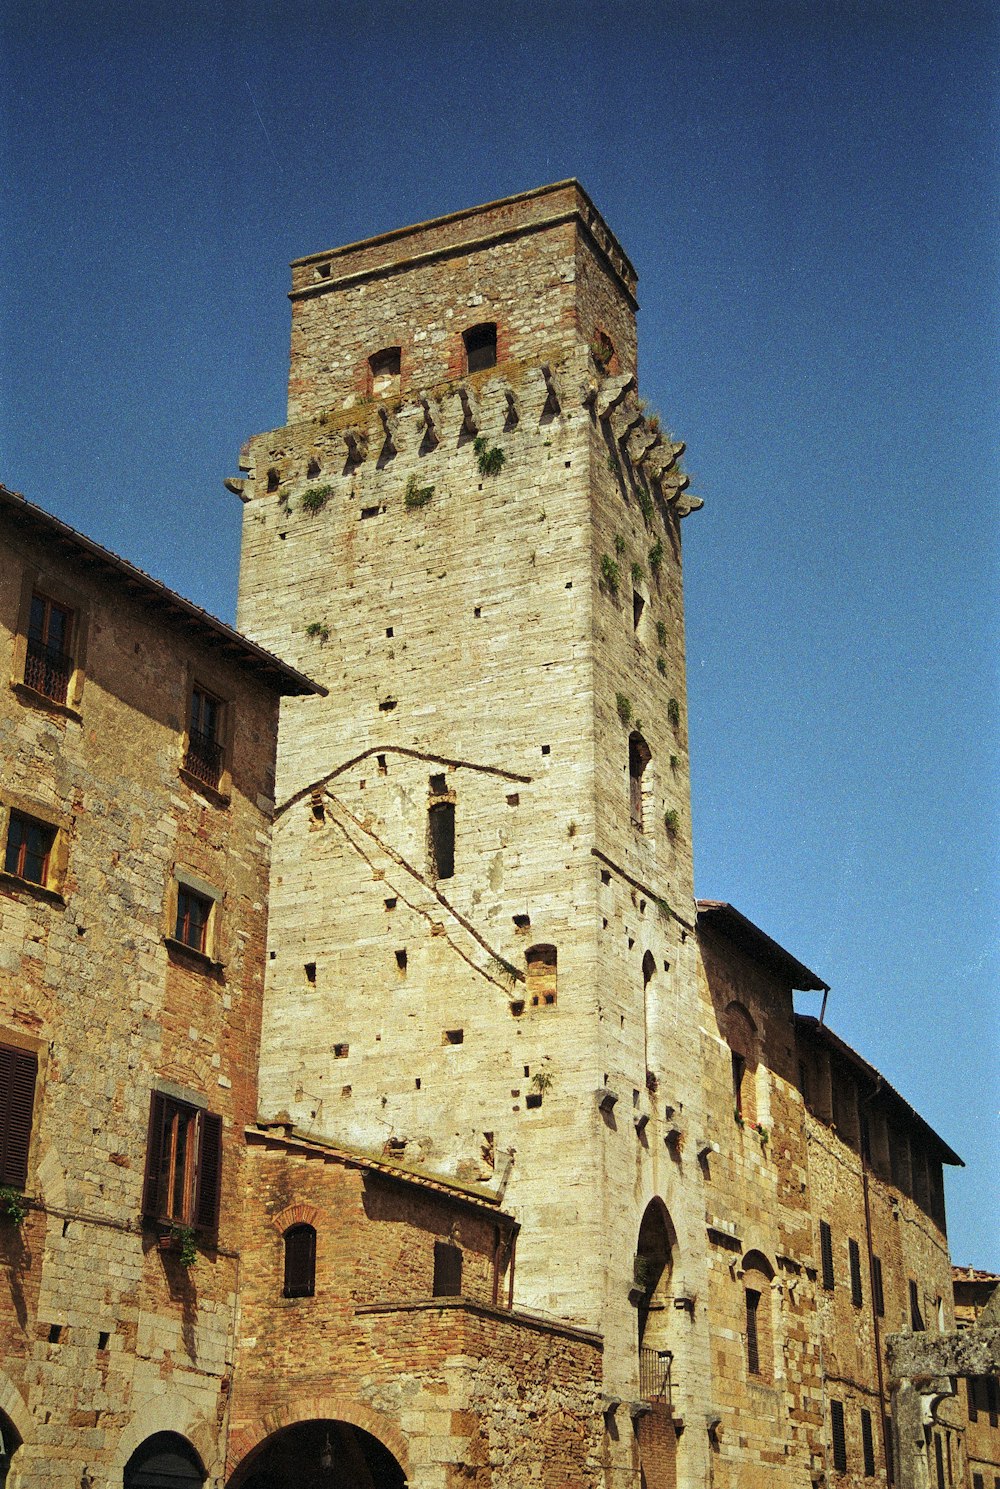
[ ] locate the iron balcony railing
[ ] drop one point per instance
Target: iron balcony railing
(204, 758)
(654, 1374)
(48, 670)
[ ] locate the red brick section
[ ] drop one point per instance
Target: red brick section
(658, 1449)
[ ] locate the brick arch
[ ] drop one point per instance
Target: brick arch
(300, 1214)
(170, 1413)
(245, 1441)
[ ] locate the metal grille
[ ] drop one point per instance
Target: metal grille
(204, 758)
(654, 1374)
(48, 670)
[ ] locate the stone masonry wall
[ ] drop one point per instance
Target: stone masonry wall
(103, 1338)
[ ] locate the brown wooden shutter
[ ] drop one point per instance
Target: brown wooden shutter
(753, 1349)
(867, 1443)
(839, 1438)
(209, 1173)
(826, 1253)
(854, 1253)
(447, 1270)
(877, 1287)
(154, 1149)
(18, 1072)
(300, 1262)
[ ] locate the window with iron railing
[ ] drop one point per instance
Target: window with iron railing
(655, 1374)
(205, 754)
(48, 663)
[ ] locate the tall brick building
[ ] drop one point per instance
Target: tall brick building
(544, 1181)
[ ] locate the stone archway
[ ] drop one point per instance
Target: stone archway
(164, 1461)
(10, 1441)
(325, 1453)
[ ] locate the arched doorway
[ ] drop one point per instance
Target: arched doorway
(9, 1444)
(320, 1455)
(164, 1461)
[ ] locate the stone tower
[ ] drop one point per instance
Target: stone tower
(482, 955)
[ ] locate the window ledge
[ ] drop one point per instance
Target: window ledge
(210, 793)
(12, 884)
(34, 699)
(180, 951)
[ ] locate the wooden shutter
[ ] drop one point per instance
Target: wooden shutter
(879, 1295)
(826, 1253)
(300, 1262)
(447, 1270)
(867, 1443)
(753, 1349)
(970, 1392)
(154, 1151)
(18, 1072)
(854, 1253)
(209, 1173)
(839, 1439)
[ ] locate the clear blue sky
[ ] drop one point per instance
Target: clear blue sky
(809, 193)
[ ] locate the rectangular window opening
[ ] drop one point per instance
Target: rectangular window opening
(203, 759)
(447, 1270)
(454, 1036)
(826, 1255)
(753, 1348)
(29, 849)
(867, 1443)
(441, 831)
(838, 1435)
(48, 664)
(193, 913)
(183, 1164)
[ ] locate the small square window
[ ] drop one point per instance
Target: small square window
(480, 346)
(29, 848)
(193, 913)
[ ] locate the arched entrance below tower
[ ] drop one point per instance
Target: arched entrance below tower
(9, 1444)
(164, 1461)
(323, 1454)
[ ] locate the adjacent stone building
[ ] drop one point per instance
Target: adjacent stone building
(544, 1181)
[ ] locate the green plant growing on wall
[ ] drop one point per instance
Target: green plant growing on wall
(610, 574)
(656, 556)
(316, 498)
(672, 821)
(505, 971)
(663, 907)
(12, 1206)
(416, 495)
(645, 1272)
(674, 713)
(619, 545)
(661, 666)
(624, 707)
(318, 630)
(646, 504)
(674, 762)
(542, 1081)
(661, 633)
(614, 466)
(637, 574)
(183, 1238)
(491, 460)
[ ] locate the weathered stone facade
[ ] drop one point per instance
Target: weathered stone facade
(544, 1182)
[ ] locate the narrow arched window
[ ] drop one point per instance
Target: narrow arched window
(741, 1036)
(759, 1337)
(480, 346)
(638, 759)
(541, 974)
(300, 1262)
(384, 371)
(441, 834)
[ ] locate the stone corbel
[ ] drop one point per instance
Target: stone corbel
(513, 417)
(553, 403)
(470, 414)
(640, 442)
(624, 419)
(356, 441)
(389, 424)
(236, 486)
(673, 483)
(687, 504)
(431, 422)
(611, 393)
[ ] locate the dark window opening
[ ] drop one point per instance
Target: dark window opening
(939, 1460)
(638, 759)
(804, 1081)
(29, 848)
(916, 1317)
(753, 1349)
(839, 1438)
(439, 785)
(193, 911)
(739, 1073)
(48, 664)
(341, 1051)
(480, 346)
(18, 1073)
(300, 1262)
(454, 1036)
(103, 1339)
(183, 1164)
(163, 1459)
(970, 1392)
(879, 1296)
(541, 974)
(867, 1443)
(638, 606)
(384, 370)
(55, 1333)
(310, 971)
(401, 959)
(441, 824)
(447, 1270)
(826, 1255)
(204, 748)
(890, 1462)
(854, 1256)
